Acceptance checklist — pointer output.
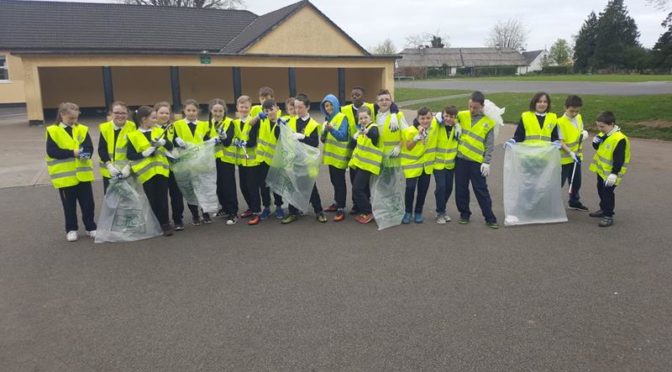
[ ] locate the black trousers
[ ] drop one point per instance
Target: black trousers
(252, 175)
(156, 189)
(226, 187)
(262, 172)
(355, 205)
(576, 184)
(176, 199)
(422, 184)
(444, 187)
(361, 190)
(607, 197)
(244, 189)
(337, 177)
(106, 184)
(314, 201)
(82, 193)
(469, 171)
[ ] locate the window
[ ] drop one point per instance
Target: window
(4, 75)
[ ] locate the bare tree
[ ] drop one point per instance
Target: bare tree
(208, 4)
(428, 40)
(384, 48)
(508, 34)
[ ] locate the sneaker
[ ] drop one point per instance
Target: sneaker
(364, 218)
(606, 221)
(463, 221)
(265, 213)
(279, 213)
(91, 234)
(578, 207)
(407, 219)
(196, 221)
(179, 226)
(597, 214)
(332, 208)
(354, 212)
(492, 225)
(221, 213)
(419, 218)
(254, 220)
(289, 219)
(167, 230)
(206, 218)
(447, 217)
(72, 236)
(231, 219)
(340, 215)
(321, 217)
(247, 214)
(441, 219)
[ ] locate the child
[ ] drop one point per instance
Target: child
(306, 130)
(572, 134)
(289, 110)
(149, 163)
(70, 168)
(226, 154)
(417, 159)
(474, 154)
(248, 162)
(610, 163)
(444, 165)
(193, 131)
(264, 94)
(243, 104)
(539, 124)
(112, 143)
(335, 137)
(367, 160)
(391, 125)
(163, 118)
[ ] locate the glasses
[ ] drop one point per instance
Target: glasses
(120, 113)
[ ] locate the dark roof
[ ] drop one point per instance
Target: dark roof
(460, 57)
(531, 55)
(109, 28)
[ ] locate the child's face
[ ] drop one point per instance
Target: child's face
(191, 112)
(328, 107)
(300, 108)
(449, 119)
(163, 115)
(357, 97)
(119, 115)
(364, 119)
(542, 104)
(217, 112)
(150, 120)
(272, 113)
(571, 111)
(384, 102)
(475, 107)
(425, 120)
(604, 127)
(243, 109)
(289, 107)
(70, 117)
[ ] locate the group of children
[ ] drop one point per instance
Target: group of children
(362, 138)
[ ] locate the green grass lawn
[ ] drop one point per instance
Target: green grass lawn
(623, 78)
(405, 94)
(630, 111)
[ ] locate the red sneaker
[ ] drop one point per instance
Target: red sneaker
(340, 216)
(332, 208)
(254, 220)
(247, 214)
(365, 218)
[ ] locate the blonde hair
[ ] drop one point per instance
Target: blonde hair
(65, 107)
(243, 99)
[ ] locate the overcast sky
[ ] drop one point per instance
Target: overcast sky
(466, 22)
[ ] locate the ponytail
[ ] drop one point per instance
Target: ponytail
(63, 108)
(140, 114)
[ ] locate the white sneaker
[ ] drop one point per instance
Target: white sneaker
(72, 236)
(91, 234)
(441, 219)
(447, 217)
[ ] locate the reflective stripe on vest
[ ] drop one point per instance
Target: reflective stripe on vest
(533, 132)
(472, 141)
(246, 156)
(366, 155)
(150, 166)
(571, 137)
(183, 131)
(337, 154)
(421, 157)
(71, 171)
(226, 154)
(603, 161)
(117, 153)
(446, 147)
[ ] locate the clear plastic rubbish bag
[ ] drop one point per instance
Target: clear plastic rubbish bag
(387, 197)
(532, 192)
(195, 172)
(294, 170)
(126, 215)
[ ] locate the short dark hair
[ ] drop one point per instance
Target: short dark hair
(607, 117)
(536, 98)
(358, 88)
(424, 110)
(268, 104)
(573, 101)
(478, 96)
(303, 98)
(266, 92)
(450, 110)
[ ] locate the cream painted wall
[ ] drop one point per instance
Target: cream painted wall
(306, 33)
(11, 90)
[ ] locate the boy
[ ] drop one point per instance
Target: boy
(444, 165)
(417, 159)
(264, 94)
(474, 153)
(391, 125)
(571, 135)
(610, 163)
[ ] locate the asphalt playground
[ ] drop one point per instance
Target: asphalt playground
(338, 296)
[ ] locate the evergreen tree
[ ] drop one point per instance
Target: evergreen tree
(616, 36)
(662, 51)
(584, 44)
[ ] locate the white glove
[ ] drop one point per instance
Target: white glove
(394, 124)
(113, 170)
(556, 144)
(223, 136)
(356, 135)
(597, 139)
(611, 180)
(485, 169)
(584, 135)
(509, 143)
(298, 136)
(418, 137)
(126, 171)
(147, 153)
(439, 117)
(159, 143)
(395, 151)
(458, 130)
(575, 157)
(180, 142)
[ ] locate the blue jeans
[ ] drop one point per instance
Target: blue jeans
(444, 187)
(422, 184)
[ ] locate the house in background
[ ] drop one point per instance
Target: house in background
(92, 54)
(535, 60)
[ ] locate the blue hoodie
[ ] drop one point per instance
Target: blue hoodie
(341, 134)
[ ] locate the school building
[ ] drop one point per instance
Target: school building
(92, 54)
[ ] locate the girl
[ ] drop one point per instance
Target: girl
(289, 110)
(336, 152)
(149, 164)
(366, 159)
(417, 159)
(112, 143)
(163, 117)
(539, 124)
(193, 131)
(243, 104)
(224, 128)
(69, 164)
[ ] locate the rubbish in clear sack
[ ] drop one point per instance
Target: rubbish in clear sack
(195, 173)
(126, 215)
(532, 192)
(387, 197)
(491, 110)
(294, 170)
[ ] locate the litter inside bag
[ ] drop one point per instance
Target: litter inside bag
(195, 172)
(532, 192)
(387, 197)
(126, 215)
(294, 170)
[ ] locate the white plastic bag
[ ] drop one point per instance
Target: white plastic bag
(532, 192)
(126, 215)
(387, 197)
(294, 170)
(195, 172)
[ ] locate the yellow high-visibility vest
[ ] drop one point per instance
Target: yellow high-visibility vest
(534, 134)
(603, 160)
(421, 158)
(246, 156)
(118, 152)
(71, 171)
(446, 147)
(226, 154)
(148, 167)
(366, 155)
(182, 130)
(349, 114)
(572, 138)
(337, 153)
(472, 140)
